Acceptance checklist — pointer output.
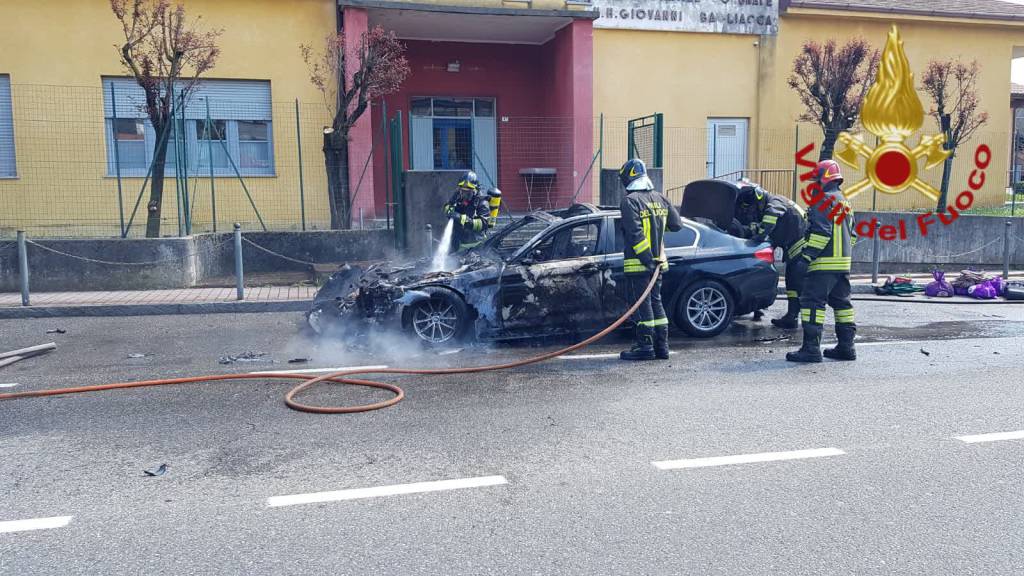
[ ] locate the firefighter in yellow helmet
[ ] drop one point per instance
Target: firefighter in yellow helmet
(470, 208)
(646, 213)
(828, 252)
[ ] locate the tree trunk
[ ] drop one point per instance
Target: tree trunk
(336, 162)
(947, 166)
(156, 183)
(828, 145)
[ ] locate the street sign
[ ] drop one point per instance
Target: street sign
(759, 17)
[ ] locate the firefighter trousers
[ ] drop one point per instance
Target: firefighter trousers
(831, 288)
(651, 313)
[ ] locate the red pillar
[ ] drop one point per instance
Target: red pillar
(355, 24)
(582, 83)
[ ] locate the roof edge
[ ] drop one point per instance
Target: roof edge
(812, 4)
(417, 7)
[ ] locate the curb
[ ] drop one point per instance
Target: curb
(154, 309)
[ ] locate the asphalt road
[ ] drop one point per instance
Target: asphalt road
(575, 466)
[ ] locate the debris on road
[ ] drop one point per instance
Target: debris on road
(925, 352)
(449, 352)
(11, 385)
(246, 357)
(57, 331)
(137, 356)
(8, 358)
(159, 471)
(299, 361)
(770, 339)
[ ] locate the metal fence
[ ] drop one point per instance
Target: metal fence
(82, 164)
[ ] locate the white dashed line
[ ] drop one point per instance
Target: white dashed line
(34, 524)
(394, 490)
(994, 437)
(12, 385)
(747, 458)
(319, 370)
(595, 356)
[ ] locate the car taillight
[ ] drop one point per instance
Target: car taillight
(766, 254)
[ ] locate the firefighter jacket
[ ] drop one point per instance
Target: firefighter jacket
(784, 224)
(472, 218)
(830, 236)
(645, 216)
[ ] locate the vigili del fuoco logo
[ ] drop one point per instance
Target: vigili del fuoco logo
(892, 111)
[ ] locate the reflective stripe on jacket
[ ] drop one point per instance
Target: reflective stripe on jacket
(829, 245)
(645, 217)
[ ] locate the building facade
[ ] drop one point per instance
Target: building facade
(533, 95)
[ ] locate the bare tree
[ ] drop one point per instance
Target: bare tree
(166, 53)
(831, 82)
(380, 68)
(952, 86)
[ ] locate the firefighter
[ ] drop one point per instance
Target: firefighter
(827, 251)
(470, 208)
(646, 213)
(780, 221)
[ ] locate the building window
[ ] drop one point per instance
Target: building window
(7, 167)
(448, 133)
(227, 127)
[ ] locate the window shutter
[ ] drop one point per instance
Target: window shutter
(7, 167)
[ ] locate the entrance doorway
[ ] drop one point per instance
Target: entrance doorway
(454, 134)
(727, 146)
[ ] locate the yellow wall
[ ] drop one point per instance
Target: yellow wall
(690, 77)
(56, 51)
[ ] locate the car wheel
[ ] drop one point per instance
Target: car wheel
(705, 309)
(440, 319)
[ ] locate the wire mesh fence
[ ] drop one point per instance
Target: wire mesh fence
(81, 161)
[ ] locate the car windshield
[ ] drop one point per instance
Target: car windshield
(509, 240)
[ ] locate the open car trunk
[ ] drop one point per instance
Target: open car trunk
(711, 202)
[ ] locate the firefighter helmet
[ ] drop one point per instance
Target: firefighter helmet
(752, 198)
(633, 175)
(469, 181)
(827, 172)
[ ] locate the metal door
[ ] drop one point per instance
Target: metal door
(727, 146)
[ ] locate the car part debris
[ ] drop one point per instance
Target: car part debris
(159, 471)
(9, 385)
(246, 357)
(57, 331)
(298, 361)
(449, 352)
(925, 352)
(771, 339)
(136, 356)
(8, 358)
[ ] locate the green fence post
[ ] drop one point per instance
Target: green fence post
(796, 150)
(302, 185)
(600, 142)
(659, 134)
(209, 160)
(396, 179)
(117, 157)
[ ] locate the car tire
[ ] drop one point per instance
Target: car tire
(439, 320)
(705, 308)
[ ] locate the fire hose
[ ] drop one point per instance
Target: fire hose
(345, 376)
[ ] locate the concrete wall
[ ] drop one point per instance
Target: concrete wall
(969, 242)
(611, 187)
(183, 262)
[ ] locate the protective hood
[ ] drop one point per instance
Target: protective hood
(641, 184)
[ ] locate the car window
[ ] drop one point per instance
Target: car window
(514, 239)
(574, 241)
(681, 239)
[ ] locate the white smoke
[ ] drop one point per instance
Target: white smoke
(441, 254)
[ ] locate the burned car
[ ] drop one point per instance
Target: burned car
(550, 273)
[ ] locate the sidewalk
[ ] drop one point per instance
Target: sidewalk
(152, 302)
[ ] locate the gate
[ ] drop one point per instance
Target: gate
(647, 140)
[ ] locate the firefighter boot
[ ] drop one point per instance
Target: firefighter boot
(791, 320)
(644, 347)
(661, 342)
(844, 350)
(811, 349)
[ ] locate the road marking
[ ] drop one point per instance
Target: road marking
(34, 524)
(319, 370)
(994, 437)
(394, 490)
(746, 458)
(8, 385)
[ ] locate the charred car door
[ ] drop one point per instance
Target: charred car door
(679, 247)
(554, 284)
